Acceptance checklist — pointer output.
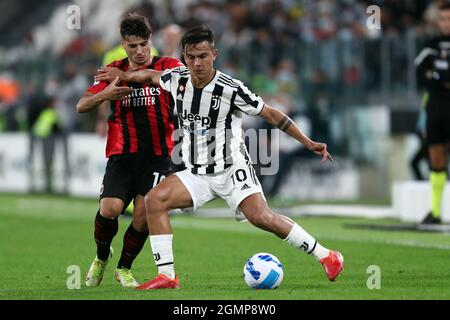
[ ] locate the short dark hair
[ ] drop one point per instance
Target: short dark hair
(134, 24)
(196, 35)
(445, 6)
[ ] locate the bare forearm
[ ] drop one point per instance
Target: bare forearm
(288, 126)
(143, 76)
(90, 102)
(285, 124)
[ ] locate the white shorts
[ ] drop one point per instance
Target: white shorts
(233, 185)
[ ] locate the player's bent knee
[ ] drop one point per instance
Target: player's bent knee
(110, 213)
(148, 201)
(111, 208)
(260, 219)
(156, 200)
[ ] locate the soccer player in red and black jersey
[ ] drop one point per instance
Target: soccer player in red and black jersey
(139, 146)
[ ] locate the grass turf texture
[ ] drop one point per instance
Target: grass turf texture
(41, 236)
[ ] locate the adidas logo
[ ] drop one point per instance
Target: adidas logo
(245, 186)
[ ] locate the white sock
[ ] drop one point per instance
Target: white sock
(163, 254)
(302, 240)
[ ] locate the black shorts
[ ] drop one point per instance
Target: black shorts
(130, 175)
(438, 120)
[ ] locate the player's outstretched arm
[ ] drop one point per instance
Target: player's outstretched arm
(280, 120)
(108, 74)
(90, 101)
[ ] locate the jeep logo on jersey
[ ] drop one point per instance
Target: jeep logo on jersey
(204, 121)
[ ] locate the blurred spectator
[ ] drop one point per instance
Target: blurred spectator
(286, 78)
(9, 89)
(422, 152)
(289, 150)
(430, 16)
(9, 95)
(45, 130)
(71, 86)
(168, 40)
(261, 46)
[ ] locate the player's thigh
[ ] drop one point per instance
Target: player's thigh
(117, 188)
(240, 183)
(199, 188)
(149, 172)
(255, 208)
(170, 193)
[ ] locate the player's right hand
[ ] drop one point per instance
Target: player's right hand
(114, 92)
(108, 74)
(321, 149)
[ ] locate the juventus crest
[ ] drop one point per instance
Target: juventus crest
(215, 102)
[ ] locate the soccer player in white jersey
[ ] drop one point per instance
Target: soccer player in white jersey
(210, 106)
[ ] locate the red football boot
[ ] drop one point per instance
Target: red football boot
(333, 264)
(160, 282)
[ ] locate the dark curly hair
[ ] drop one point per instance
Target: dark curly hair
(134, 24)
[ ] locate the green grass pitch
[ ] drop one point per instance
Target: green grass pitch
(42, 236)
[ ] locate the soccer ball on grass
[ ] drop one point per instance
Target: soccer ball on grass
(263, 271)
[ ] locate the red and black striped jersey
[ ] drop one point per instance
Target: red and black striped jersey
(142, 122)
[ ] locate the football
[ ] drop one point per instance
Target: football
(263, 271)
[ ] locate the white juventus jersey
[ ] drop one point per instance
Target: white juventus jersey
(210, 119)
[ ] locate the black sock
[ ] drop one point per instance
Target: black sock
(104, 232)
(133, 241)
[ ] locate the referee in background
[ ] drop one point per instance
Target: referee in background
(433, 74)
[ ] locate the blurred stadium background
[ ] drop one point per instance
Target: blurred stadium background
(348, 85)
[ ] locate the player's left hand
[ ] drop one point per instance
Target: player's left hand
(108, 74)
(321, 149)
